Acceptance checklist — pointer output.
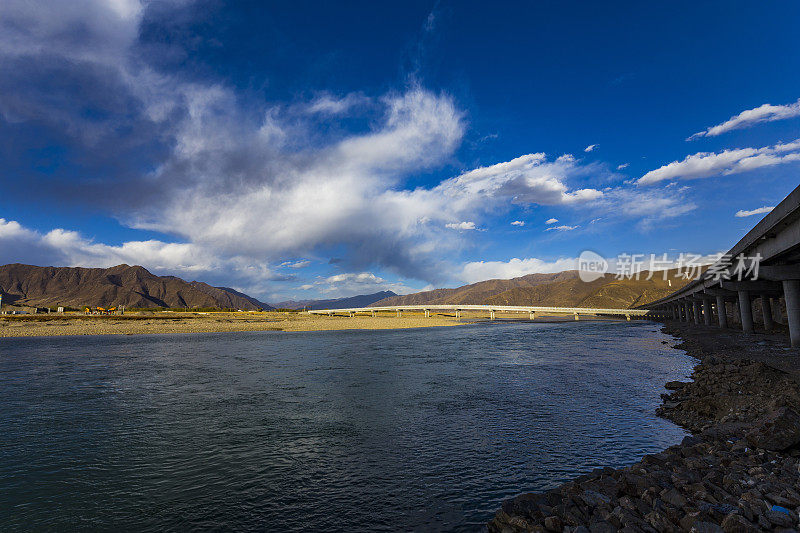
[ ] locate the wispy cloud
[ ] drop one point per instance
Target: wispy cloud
(327, 104)
(759, 211)
(551, 221)
(562, 228)
(590, 148)
(749, 117)
(623, 166)
(461, 225)
(295, 264)
(707, 164)
(518, 223)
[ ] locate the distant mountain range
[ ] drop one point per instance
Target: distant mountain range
(134, 286)
(362, 300)
(562, 289)
(131, 286)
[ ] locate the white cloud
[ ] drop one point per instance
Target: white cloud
(475, 271)
(518, 223)
(461, 225)
(327, 104)
(590, 148)
(707, 164)
(648, 206)
(561, 228)
(528, 179)
(295, 264)
(248, 185)
(759, 211)
(749, 117)
(353, 283)
(551, 221)
(59, 247)
(623, 166)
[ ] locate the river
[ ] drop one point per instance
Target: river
(406, 430)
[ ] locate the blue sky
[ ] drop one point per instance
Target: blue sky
(328, 149)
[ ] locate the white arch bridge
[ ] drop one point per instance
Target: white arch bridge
(492, 310)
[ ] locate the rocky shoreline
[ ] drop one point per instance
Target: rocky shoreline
(739, 471)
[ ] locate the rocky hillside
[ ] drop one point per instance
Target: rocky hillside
(131, 286)
(562, 289)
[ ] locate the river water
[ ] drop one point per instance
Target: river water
(416, 430)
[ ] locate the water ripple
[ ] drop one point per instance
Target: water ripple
(381, 431)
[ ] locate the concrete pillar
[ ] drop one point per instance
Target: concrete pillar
(746, 311)
(491, 314)
(427, 313)
(351, 314)
(458, 313)
(576, 316)
(687, 312)
(777, 310)
(399, 313)
(791, 295)
(722, 313)
(373, 314)
(628, 318)
(707, 311)
(532, 315)
(696, 309)
(766, 312)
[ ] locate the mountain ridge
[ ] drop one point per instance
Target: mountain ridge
(131, 286)
(559, 289)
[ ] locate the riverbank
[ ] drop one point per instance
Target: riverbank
(155, 322)
(738, 472)
(169, 322)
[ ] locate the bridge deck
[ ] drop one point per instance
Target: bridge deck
(495, 308)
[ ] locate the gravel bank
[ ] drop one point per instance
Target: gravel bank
(738, 472)
(165, 322)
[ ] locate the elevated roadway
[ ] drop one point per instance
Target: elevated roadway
(771, 254)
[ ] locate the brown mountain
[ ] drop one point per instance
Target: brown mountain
(131, 286)
(562, 289)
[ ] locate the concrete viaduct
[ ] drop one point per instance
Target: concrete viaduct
(491, 309)
(776, 239)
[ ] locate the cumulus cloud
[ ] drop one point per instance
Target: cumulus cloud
(623, 264)
(475, 271)
(461, 225)
(590, 148)
(749, 117)
(518, 223)
(759, 211)
(528, 179)
(551, 221)
(248, 183)
(354, 283)
(707, 164)
(561, 228)
(60, 247)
